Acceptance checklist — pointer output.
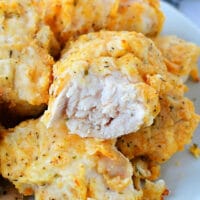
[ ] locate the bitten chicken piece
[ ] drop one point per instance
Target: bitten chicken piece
(25, 61)
(181, 57)
(51, 164)
(100, 85)
(70, 18)
(171, 130)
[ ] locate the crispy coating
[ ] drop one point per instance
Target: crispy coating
(171, 130)
(25, 60)
(175, 124)
(70, 18)
(26, 75)
(154, 190)
(21, 23)
(181, 57)
(52, 164)
(195, 150)
(130, 55)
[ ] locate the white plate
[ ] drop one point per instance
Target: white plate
(182, 172)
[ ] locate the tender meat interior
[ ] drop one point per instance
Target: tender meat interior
(106, 106)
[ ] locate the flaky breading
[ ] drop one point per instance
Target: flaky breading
(25, 79)
(171, 130)
(26, 74)
(52, 164)
(25, 60)
(195, 150)
(181, 57)
(154, 191)
(21, 23)
(174, 126)
(70, 18)
(100, 84)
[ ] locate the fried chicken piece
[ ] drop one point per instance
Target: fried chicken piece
(155, 191)
(52, 164)
(171, 130)
(71, 18)
(100, 84)
(25, 60)
(143, 174)
(181, 57)
(21, 23)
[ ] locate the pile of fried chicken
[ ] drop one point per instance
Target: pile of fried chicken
(91, 98)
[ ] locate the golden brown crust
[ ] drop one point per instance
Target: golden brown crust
(25, 67)
(181, 57)
(172, 129)
(51, 163)
(71, 18)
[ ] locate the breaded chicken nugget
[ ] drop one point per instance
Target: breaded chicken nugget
(70, 18)
(51, 164)
(181, 57)
(171, 130)
(100, 84)
(25, 61)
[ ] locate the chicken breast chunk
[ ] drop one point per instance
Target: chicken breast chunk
(172, 129)
(181, 57)
(25, 60)
(51, 164)
(70, 18)
(100, 85)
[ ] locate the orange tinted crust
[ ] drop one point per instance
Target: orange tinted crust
(181, 57)
(70, 18)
